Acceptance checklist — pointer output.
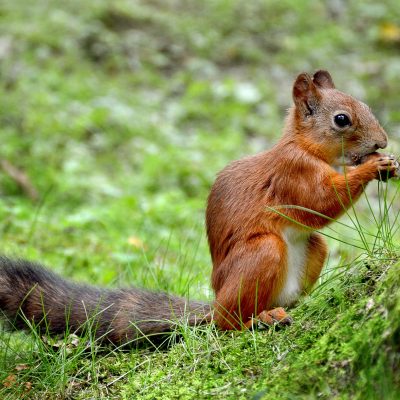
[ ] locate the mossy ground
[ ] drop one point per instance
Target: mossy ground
(121, 114)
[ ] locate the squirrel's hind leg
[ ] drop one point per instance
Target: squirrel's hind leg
(317, 251)
(248, 281)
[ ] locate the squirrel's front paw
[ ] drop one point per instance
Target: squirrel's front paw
(386, 166)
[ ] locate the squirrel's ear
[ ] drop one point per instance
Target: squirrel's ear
(305, 94)
(323, 79)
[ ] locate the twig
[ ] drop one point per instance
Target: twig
(20, 178)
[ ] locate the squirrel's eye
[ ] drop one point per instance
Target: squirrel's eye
(342, 120)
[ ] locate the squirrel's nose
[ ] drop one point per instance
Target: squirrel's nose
(381, 144)
(381, 139)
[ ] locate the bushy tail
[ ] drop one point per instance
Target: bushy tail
(30, 294)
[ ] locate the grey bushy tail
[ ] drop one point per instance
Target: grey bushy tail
(32, 295)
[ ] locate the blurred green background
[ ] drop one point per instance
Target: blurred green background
(120, 114)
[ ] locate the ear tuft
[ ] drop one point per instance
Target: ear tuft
(305, 94)
(323, 80)
(302, 86)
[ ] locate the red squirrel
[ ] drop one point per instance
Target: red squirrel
(264, 254)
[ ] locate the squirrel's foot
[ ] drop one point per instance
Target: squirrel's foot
(275, 317)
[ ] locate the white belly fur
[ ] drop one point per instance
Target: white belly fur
(296, 247)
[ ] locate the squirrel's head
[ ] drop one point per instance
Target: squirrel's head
(333, 122)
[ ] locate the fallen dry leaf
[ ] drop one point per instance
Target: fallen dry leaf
(61, 342)
(389, 32)
(21, 367)
(9, 381)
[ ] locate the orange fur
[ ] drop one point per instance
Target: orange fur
(250, 243)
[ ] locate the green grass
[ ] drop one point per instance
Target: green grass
(121, 115)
